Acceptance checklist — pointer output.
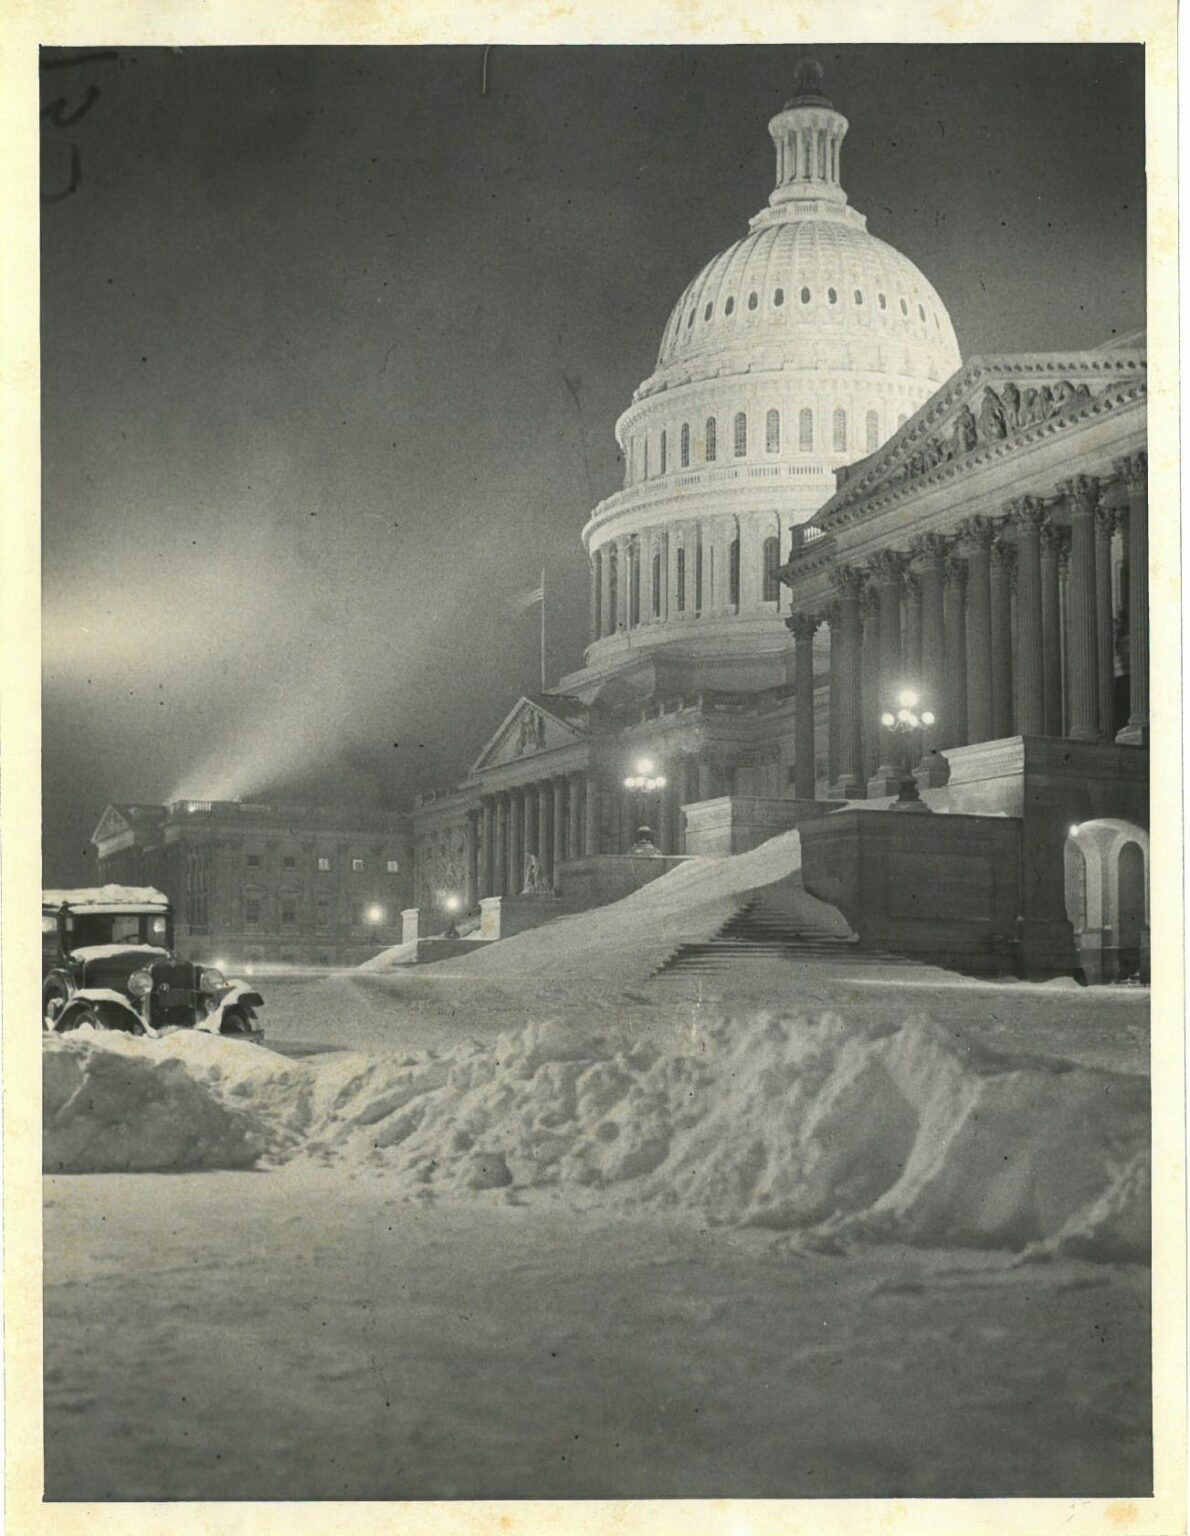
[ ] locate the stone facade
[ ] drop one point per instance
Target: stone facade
(316, 885)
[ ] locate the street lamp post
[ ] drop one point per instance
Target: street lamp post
(905, 724)
(646, 781)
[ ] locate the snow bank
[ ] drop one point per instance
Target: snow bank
(623, 943)
(895, 1134)
(117, 1103)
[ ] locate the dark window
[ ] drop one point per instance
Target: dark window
(882, 301)
(251, 912)
(323, 911)
(288, 911)
(741, 435)
(729, 306)
(805, 430)
(289, 862)
(733, 573)
(921, 314)
(904, 307)
(708, 312)
(753, 301)
(771, 556)
(690, 321)
(613, 584)
(840, 421)
(681, 580)
(684, 446)
(698, 578)
(657, 585)
(778, 297)
(873, 431)
(772, 432)
(664, 453)
(597, 575)
(634, 584)
(711, 445)
(831, 296)
(253, 861)
(805, 295)
(859, 297)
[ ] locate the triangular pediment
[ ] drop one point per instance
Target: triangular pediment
(988, 402)
(111, 824)
(530, 727)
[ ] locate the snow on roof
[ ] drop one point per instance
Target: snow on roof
(106, 896)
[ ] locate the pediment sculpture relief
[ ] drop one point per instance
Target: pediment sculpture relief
(1001, 413)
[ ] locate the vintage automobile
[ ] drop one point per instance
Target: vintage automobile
(108, 961)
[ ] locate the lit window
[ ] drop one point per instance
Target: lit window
(357, 866)
(778, 297)
(708, 312)
(882, 301)
(711, 434)
(729, 307)
(772, 432)
(753, 301)
(391, 867)
(685, 445)
(873, 431)
(324, 865)
(805, 430)
(805, 295)
(741, 435)
(859, 298)
(831, 296)
(664, 451)
(840, 423)
(771, 557)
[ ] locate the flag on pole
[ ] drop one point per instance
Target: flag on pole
(525, 600)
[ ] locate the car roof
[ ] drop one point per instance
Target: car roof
(107, 898)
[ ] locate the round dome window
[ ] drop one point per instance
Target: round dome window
(859, 298)
(729, 306)
(708, 312)
(753, 301)
(778, 297)
(904, 307)
(883, 302)
(805, 295)
(831, 296)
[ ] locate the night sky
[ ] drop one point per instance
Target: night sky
(334, 344)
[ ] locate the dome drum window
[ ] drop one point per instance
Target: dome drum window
(753, 300)
(778, 297)
(664, 452)
(708, 312)
(805, 295)
(882, 301)
(772, 432)
(840, 429)
(741, 435)
(805, 430)
(729, 307)
(831, 296)
(859, 297)
(684, 447)
(711, 437)
(904, 308)
(770, 560)
(872, 428)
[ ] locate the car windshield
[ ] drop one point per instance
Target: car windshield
(86, 928)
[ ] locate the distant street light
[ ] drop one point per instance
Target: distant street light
(375, 915)
(451, 904)
(644, 782)
(905, 725)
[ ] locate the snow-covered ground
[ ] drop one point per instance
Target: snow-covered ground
(538, 1224)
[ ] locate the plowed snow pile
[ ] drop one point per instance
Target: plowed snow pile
(790, 1124)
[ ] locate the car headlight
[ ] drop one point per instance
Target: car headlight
(211, 980)
(140, 983)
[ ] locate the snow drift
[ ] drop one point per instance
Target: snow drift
(791, 1124)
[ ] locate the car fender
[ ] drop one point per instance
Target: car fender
(238, 992)
(99, 995)
(57, 981)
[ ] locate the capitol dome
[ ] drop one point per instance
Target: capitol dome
(801, 348)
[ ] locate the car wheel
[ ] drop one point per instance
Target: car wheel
(101, 1016)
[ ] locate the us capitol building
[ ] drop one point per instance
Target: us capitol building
(826, 512)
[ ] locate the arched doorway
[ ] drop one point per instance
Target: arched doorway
(1131, 907)
(1107, 898)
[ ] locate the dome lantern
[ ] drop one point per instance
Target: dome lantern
(808, 136)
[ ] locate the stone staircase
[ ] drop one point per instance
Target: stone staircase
(765, 928)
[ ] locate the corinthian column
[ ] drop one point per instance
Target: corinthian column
(1105, 525)
(500, 883)
(834, 619)
(954, 719)
(488, 866)
(591, 839)
(1051, 632)
(869, 691)
(1003, 559)
(802, 627)
(888, 569)
(595, 564)
(850, 783)
(1082, 495)
(978, 534)
(911, 647)
(1135, 473)
(1027, 513)
(930, 551)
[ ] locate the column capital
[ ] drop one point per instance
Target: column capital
(955, 570)
(802, 625)
(833, 615)
(1003, 555)
(1051, 538)
(930, 548)
(1133, 469)
(1105, 523)
(1082, 493)
(912, 583)
(869, 603)
(848, 580)
(1027, 512)
(979, 531)
(888, 565)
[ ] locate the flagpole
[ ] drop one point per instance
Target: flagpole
(543, 631)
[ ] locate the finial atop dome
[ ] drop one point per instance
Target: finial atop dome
(807, 84)
(808, 134)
